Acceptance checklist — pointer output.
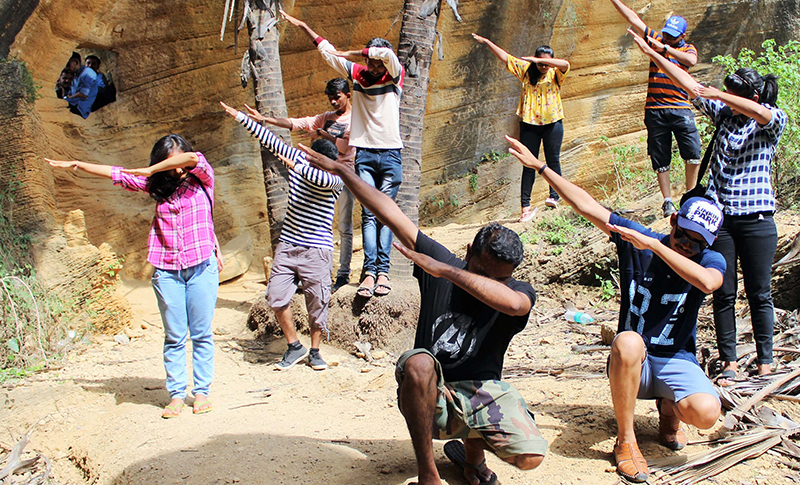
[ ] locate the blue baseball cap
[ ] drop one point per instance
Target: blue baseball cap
(675, 26)
(702, 216)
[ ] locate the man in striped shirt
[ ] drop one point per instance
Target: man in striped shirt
(667, 110)
(305, 248)
(334, 126)
(375, 132)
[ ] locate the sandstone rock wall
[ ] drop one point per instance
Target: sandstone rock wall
(170, 69)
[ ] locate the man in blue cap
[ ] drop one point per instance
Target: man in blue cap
(668, 110)
(664, 279)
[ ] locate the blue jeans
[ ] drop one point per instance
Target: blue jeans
(345, 207)
(382, 169)
(186, 300)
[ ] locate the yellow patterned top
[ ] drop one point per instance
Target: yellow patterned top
(539, 104)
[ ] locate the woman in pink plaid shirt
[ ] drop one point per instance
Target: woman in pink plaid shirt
(182, 249)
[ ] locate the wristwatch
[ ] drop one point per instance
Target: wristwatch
(665, 49)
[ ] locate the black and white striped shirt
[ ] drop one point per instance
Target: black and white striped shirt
(312, 193)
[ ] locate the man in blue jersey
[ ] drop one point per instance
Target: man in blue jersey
(305, 249)
(664, 279)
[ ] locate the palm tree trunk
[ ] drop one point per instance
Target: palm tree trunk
(270, 101)
(417, 37)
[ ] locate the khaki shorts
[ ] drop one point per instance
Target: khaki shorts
(311, 267)
(491, 410)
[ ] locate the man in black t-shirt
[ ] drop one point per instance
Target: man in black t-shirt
(450, 384)
(664, 279)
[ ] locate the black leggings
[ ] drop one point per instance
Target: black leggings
(750, 239)
(532, 136)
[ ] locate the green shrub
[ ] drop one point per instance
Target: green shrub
(30, 85)
(628, 178)
(557, 230)
(494, 156)
(30, 317)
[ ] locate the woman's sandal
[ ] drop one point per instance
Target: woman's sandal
(365, 291)
(383, 289)
(728, 375)
(201, 407)
(171, 412)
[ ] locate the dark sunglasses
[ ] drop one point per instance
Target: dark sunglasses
(684, 238)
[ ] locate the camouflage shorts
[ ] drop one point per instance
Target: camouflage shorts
(491, 410)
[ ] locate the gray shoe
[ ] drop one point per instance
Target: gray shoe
(668, 207)
(291, 357)
(315, 360)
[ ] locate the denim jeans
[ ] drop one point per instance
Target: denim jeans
(533, 136)
(186, 300)
(382, 169)
(752, 240)
(345, 207)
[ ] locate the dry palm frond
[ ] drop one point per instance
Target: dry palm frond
(757, 430)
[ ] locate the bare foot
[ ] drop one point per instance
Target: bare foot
(764, 369)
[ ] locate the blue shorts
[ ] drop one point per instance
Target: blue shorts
(672, 378)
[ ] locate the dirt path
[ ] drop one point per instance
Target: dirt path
(99, 416)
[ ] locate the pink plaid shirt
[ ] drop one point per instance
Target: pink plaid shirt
(182, 233)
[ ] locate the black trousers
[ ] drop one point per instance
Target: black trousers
(752, 240)
(532, 136)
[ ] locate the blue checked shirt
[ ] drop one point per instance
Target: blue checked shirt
(740, 168)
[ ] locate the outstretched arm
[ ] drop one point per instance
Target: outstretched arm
(583, 203)
(299, 23)
(187, 160)
(747, 107)
(500, 53)
(256, 116)
(630, 16)
(560, 64)
(90, 168)
(687, 58)
(494, 293)
(380, 204)
(704, 279)
(292, 157)
(678, 75)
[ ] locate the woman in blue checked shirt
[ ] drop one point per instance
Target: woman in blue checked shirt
(749, 127)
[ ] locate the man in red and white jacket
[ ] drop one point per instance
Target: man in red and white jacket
(375, 132)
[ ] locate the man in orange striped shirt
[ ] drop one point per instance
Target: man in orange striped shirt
(667, 111)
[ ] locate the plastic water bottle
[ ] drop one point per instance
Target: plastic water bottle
(576, 316)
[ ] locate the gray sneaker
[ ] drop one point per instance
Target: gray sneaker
(291, 357)
(668, 207)
(315, 360)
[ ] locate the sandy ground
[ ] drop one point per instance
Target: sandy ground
(99, 415)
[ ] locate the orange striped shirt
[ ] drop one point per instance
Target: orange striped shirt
(662, 92)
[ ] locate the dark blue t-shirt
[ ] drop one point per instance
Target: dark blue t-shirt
(468, 337)
(657, 303)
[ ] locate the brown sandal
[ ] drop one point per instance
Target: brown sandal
(630, 462)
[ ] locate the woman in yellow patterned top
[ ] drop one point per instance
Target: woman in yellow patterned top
(540, 112)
